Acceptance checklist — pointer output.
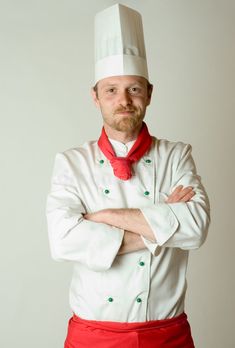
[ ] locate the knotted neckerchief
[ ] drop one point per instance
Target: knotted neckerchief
(122, 165)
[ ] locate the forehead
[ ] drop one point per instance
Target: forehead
(122, 81)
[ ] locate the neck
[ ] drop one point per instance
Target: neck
(123, 137)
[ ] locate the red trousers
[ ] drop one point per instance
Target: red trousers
(168, 333)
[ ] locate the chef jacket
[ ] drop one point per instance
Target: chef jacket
(148, 284)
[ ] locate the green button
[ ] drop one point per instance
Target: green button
(138, 300)
(101, 161)
(141, 263)
(148, 161)
(110, 299)
(106, 191)
(146, 193)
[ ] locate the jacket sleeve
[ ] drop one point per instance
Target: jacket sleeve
(72, 237)
(180, 225)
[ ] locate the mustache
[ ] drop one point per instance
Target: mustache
(125, 110)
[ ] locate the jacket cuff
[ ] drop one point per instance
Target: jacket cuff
(162, 221)
(100, 258)
(153, 247)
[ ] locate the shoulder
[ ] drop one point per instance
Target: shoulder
(77, 159)
(171, 148)
(82, 151)
(84, 148)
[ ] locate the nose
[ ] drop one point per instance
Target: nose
(124, 98)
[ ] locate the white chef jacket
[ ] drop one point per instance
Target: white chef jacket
(148, 284)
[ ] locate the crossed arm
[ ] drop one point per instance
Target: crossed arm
(133, 222)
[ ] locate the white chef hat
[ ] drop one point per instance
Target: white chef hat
(119, 43)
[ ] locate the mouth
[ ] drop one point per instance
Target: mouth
(125, 113)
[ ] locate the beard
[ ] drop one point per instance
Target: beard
(125, 123)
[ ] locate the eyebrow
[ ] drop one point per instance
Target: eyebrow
(130, 85)
(109, 85)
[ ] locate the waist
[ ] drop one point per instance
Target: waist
(136, 326)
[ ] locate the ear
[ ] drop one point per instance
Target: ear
(150, 91)
(95, 97)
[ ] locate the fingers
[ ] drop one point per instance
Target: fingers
(181, 194)
(173, 196)
(177, 190)
(187, 196)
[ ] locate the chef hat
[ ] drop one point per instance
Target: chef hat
(119, 43)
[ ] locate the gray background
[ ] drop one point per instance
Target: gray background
(46, 71)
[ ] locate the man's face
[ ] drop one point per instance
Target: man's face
(123, 101)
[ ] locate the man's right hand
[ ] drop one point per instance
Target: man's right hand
(133, 242)
(181, 194)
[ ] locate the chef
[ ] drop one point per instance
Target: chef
(126, 209)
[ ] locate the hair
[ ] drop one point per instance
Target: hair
(95, 89)
(149, 88)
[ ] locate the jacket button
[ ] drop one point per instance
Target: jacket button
(101, 161)
(138, 300)
(148, 160)
(141, 263)
(110, 299)
(146, 193)
(106, 191)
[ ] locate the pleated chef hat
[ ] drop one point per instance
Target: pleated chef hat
(119, 43)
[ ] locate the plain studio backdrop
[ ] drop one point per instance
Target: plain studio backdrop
(46, 71)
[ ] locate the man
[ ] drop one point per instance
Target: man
(126, 209)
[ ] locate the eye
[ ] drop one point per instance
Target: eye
(110, 90)
(134, 90)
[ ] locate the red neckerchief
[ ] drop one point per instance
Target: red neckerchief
(122, 165)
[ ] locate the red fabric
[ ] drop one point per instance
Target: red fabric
(122, 165)
(168, 333)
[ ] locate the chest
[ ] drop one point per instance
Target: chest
(99, 188)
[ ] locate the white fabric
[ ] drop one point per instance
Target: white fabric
(119, 43)
(121, 149)
(79, 184)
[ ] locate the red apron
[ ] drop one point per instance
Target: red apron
(168, 333)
